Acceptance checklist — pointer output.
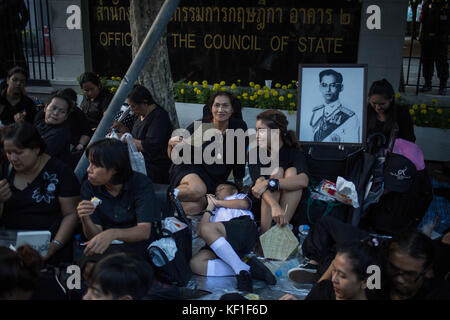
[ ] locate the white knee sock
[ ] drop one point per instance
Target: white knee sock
(218, 268)
(225, 251)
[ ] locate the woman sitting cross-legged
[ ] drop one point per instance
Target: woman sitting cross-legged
(281, 189)
(230, 232)
(117, 203)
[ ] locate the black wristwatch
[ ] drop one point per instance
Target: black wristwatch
(273, 185)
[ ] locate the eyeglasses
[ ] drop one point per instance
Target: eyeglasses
(333, 85)
(411, 276)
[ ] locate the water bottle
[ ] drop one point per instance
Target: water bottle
(303, 231)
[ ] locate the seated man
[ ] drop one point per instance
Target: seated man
(229, 230)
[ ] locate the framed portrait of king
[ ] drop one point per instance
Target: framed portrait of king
(332, 104)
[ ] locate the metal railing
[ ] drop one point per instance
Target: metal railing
(26, 30)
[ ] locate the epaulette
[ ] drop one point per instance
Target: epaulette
(347, 111)
(318, 108)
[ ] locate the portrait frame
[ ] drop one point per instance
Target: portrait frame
(329, 112)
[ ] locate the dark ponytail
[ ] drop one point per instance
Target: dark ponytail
(275, 119)
(384, 89)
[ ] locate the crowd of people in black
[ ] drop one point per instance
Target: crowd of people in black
(114, 209)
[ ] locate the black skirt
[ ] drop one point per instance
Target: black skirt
(178, 172)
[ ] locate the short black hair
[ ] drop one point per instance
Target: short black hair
(331, 72)
(69, 93)
(120, 274)
(415, 244)
(230, 184)
(140, 94)
(15, 70)
(24, 135)
(90, 77)
(111, 154)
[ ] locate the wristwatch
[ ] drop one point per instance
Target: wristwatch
(274, 185)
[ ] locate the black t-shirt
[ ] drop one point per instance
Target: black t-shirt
(7, 114)
(25, 104)
(219, 172)
(37, 206)
(154, 131)
(288, 158)
(136, 203)
(94, 109)
(322, 290)
(56, 137)
(403, 121)
(79, 126)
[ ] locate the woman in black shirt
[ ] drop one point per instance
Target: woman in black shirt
(96, 98)
(190, 180)
(124, 201)
(347, 275)
(386, 117)
(151, 133)
(279, 187)
(39, 192)
(54, 128)
(17, 103)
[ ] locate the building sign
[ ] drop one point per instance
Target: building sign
(252, 40)
(111, 40)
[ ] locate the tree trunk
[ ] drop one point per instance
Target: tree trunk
(156, 75)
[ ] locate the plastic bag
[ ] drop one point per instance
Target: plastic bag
(136, 158)
(343, 191)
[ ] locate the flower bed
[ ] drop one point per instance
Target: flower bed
(283, 96)
(433, 115)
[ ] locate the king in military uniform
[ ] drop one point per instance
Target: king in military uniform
(331, 121)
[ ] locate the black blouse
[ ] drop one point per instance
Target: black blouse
(220, 172)
(403, 121)
(37, 206)
(25, 104)
(288, 157)
(94, 109)
(56, 137)
(154, 132)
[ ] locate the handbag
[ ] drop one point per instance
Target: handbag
(171, 253)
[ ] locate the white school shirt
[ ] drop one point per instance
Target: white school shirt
(225, 214)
